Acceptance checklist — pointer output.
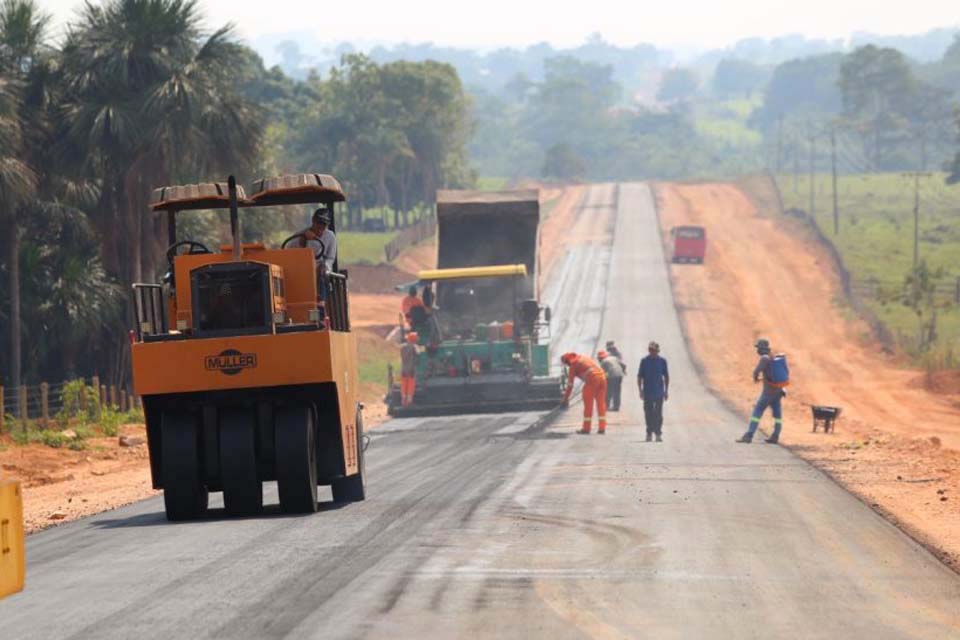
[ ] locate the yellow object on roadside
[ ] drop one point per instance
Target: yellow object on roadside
(12, 557)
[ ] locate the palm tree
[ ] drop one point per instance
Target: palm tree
(49, 229)
(21, 31)
(153, 100)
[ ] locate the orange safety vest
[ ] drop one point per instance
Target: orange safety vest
(586, 369)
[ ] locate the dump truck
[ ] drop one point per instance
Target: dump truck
(12, 558)
(245, 361)
(486, 340)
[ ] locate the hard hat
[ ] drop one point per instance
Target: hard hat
(321, 216)
(653, 345)
(762, 344)
(412, 337)
(568, 357)
(602, 354)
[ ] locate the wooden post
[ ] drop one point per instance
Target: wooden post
(123, 400)
(113, 396)
(22, 408)
(82, 399)
(95, 383)
(103, 396)
(45, 404)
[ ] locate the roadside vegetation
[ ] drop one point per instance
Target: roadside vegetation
(918, 304)
(79, 418)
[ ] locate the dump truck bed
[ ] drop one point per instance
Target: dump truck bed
(478, 228)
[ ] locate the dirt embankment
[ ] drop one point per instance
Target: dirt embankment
(559, 216)
(897, 444)
(60, 485)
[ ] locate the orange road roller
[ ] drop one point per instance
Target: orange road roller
(245, 361)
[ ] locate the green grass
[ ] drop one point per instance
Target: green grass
(492, 183)
(84, 425)
(875, 239)
(373, 365)
(726, 121)
(729, 131)
(362, 248)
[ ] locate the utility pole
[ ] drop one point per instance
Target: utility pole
(833, 169)
(813, 186)
(779, 143)
(916, 175)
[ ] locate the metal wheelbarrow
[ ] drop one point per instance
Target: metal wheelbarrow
(824, 417)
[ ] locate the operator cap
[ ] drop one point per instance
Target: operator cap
(568, 357)
(412, 337)
(763, 344)
(321, 216)
(602, 355)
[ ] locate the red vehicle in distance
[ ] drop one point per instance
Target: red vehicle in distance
(689, 244)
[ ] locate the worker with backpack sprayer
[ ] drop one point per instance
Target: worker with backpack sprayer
(776, 376)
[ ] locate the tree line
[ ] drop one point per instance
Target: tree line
(579, 123)
(137, 94)
(888, 112)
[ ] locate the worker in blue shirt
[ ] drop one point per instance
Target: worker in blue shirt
(653, 381)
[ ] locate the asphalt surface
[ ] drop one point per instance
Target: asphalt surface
(500, 526)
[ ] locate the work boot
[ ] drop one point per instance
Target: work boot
(584, 432)
(649, 437)
(745, 438)
(772, 440)
(659, 439)
(601, 432)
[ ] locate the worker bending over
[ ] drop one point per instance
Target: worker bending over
(594, 389)
(614, 370)
(408, 369)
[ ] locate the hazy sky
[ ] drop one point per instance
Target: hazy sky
(488, 23)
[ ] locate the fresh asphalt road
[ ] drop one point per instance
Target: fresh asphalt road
(498, 526)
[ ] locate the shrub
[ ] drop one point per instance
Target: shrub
(71, 409)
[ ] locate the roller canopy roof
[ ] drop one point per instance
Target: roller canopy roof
(207, 195)
(303, 188)
(499, 271)
(299, 188)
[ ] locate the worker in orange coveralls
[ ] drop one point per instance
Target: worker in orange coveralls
(408, 369)
(594, 389)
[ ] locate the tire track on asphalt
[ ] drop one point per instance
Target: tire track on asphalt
(402, 472)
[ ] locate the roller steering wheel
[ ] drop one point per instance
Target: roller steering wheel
(194, 249)
(303, 241)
